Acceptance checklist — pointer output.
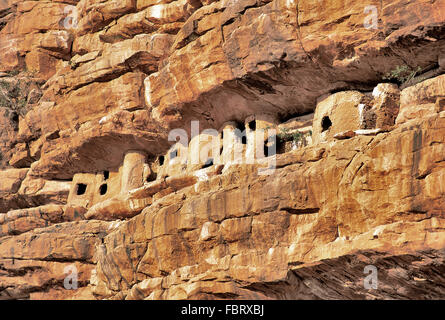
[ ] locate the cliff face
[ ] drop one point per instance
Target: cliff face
(326, 158)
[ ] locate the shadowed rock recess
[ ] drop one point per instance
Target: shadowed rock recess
(103, 173)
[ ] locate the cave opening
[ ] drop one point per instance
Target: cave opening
(241, 133)
(152, 177)
(161, 160)
(252, 125)
(106, 175)
(15, 117)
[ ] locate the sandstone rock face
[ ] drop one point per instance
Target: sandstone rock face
(7, 134)
(289, 219)
(420, 100)
(219, 149)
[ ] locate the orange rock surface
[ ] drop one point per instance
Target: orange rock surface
(103, 170)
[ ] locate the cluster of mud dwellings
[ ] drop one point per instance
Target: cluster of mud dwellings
(337, 116)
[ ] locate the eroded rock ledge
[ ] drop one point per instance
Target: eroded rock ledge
(97, 96)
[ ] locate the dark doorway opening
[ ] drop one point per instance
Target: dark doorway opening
(81, 189)
(103, 189)
(241, 133)
(326, 123)
(152, 177)
(208, 163)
